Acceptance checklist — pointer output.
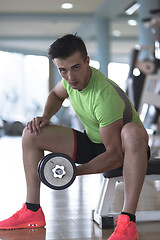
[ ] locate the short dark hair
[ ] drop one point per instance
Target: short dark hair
(67, 45)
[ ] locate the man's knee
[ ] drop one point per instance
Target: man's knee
(134, 135)
(28, 139)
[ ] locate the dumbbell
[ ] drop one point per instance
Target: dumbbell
(57, 171)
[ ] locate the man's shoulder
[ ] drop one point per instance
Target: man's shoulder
(101, 82)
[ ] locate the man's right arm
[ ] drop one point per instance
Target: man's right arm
(53, 104)
(55, 100)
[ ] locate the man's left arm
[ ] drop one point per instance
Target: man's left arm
(113, 157)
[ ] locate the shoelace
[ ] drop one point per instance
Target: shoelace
(18, 212)
(121, 226)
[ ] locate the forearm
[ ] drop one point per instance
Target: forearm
(53, 104)
(102, 163)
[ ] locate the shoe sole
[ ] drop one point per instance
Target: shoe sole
(25, 225)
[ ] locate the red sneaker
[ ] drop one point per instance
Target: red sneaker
(125, 230)
(24, 218)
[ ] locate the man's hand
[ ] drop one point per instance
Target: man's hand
(35, 125)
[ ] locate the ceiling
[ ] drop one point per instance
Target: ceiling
(30, 26)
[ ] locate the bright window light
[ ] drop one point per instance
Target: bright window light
(94, 64)
(118, 72)
(67, 5)
(66, 103)
(19, 99)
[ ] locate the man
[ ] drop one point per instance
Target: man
(114, 136)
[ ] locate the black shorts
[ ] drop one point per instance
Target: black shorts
(85, 150)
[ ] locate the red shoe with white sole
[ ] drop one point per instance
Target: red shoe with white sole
(24, 218)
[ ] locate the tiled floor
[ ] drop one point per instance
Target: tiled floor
(68, 212)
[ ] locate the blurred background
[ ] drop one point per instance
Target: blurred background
(123, 41)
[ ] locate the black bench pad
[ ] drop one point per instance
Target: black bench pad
(153, 168)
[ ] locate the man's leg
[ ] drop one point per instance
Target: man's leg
(134, 140)
(52, 138)
(134, 144)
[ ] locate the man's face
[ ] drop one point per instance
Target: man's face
(74, 70)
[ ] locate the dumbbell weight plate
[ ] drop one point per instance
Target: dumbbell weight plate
(54, 164)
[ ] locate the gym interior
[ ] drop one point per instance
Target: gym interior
(123, 41)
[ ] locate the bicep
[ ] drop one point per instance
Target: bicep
(111, 135)
(60, 91)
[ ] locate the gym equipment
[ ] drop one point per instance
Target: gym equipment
(135, 83)
(57, 171)
(148, 66)
(104, 215)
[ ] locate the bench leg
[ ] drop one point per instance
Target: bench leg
(101, 213)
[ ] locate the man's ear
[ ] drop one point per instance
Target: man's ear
(88, 59)
(53, 62)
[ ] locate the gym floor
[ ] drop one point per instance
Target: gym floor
(68, 212)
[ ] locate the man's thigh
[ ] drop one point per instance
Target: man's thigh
(66, 140)
(56, 138)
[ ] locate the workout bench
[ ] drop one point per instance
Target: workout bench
(102, 214)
